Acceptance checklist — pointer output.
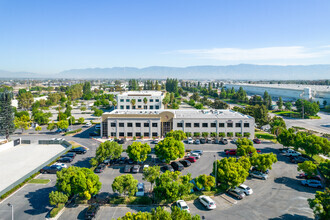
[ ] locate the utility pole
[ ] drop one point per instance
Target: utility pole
(12, 210)
(215, 170)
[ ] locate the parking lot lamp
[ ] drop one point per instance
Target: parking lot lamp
(12, 210)
(215, 170)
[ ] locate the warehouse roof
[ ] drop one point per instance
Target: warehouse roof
(141, 93)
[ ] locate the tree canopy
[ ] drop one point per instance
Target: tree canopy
(321, 205)
(125, 184)
(263, 161)
(308, 167)
(205, 182)
(138, 151)
(169, 149)
(151, 173)
(108, 149)
(178, 135)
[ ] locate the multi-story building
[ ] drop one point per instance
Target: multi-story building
(156, 123)
(147, 100)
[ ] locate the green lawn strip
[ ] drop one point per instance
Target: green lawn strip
(265, 136)
(39, 181)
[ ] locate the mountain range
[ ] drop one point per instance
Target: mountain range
(241, 71)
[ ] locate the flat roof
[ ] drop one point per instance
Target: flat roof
(142, 93)
(184, 113)
(301, 87)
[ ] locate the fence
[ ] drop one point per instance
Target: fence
(67, 146)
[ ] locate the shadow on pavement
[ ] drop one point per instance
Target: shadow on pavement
(291, 217)
(39, 201)
(83, 163)
(294, 184)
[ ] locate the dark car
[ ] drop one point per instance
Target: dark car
(185, 163)
(123, 160)
(202, 140)
(236, 193)
(52, 169)
(65, 160)
(230, 151)
(177, 166)
(224, 141)
(297, 159)
(72, 155)
(100, 168)
(120, 141)
(130, 161)
(128, 168)
(91, 211)
(256, 141)
(78, 150)
(168, 167)
(59, 130)
(256, 169)
(314, 177)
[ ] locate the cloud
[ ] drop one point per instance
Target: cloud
(257, 54)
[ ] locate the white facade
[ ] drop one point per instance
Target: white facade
(147, 100)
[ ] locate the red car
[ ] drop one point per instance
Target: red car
(231, 152)
(191, 159)
(304, 176)
(257, 141)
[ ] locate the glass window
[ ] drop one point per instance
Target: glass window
(129, 134)
(180, 125)
(196, 125)
(157, 100)
(151, 100)
(145, 107)
(146, 125)
(221, 125)
(113, 124)
(138, 134)
(213, 125)
(121, 107)
(146, 134)
(154, 134)
(121, 134)
(129, 124)
(139, 100)
(238, 125)
(188, 125)
(229, 125)
(121, 100)
(137, 124)
(121, 124)
(133, 107)
(113, 134)
(155, 125)
(246, 125)
(127, 100)
(205, 125)
(139, 106)
(151, 107)
(127, 106)
(157, 107)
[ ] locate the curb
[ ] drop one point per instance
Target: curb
(228, 199)
(58, 215)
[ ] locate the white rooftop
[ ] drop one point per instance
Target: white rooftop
(142, 93)
(287, 86)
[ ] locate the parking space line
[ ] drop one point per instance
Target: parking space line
(114, 213)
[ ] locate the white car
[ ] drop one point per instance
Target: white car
(145, 166)
(292, 153)
(190, 140)
(156, 141)
(88, 124)
(140, 191)
(183, 205)
(63, 165)
(207, 202)
(196, 155)
(247, 190)
(200, 152)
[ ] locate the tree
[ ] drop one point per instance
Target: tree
(244, 141)
(263, 161)
(177, 213)
(108, 149)
(25, 100)
(83, 108)
(7, 125)
(277, 125)
(307, 107)
(324, 168)
(320, 204)
(138, 151)
(98, 112)
(280, 103)
(38, 128)
(245, 150)
(61, 116)
(87, 88)
(288, 105)
(205, 134)
(71, 120)
(51, 126)
(217, 104)
(78, 181)
(178, 135)
(287, 138)
(125, 184)
(230, 173)
(205, 182)
(151, 173)
(63, 124)
(81, 120)
(133, 102)
(22, 122)
(308, 167)
(169, 149)
(56, 198)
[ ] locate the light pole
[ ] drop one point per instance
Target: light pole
(12, 210)
(215, 170)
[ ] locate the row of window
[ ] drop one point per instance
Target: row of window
(137, 124)
(139, 100)
(139, 107)
(136, 134)
(213, 125)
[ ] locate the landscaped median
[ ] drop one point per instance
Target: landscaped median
(73, 132)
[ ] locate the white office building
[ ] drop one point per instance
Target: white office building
(147, 100)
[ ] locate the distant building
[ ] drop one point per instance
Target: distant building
(147, 100)
(156, 123)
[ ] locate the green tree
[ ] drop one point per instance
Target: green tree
(205, 134)
(321, 205)
(205, 181)
(98, 112)
(288, 105)
(7, 125)
(136, 216)
(324, 168)
(177, 213)
(245, 150)
(280, 103)
(133, 102)
(81, 120)
(25, 100)
(83, 108)
(277, 125)
(150, 174)
(243, 141)
(125, 184)
(138, 151)
(263, 161)
(71, 120)
(169, 149)
(108, 149)
(23, 122)
(178, 135)
(78, 181)
(287, 138)
(145, 100)
(309, 108)
(51, 126)
(63, 124)
(308, 167)
(87, 88)
(38, 128)
(56, 198)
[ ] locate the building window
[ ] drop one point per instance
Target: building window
(127, 106)
(188, 125)
(121, 134)
(229, 125)
(196, 125)
(246, 125)
(145, 107)
(129, 134)
(157, 107)
(138, 134)
(121, 107)
(146, 134)
(127, 100)
(146, 125)
(113, 124)
(213, 125)
(133, 107)
(151, 100)
(151, 107)
(138, 125)
(139, 100)
(154, 125)
(139, 106)
(154, 134)
(104, 129)
(121, 125)
(157, 100)
(221, 125)
(113, 134)
(129, 124)
(238, 125)
(205, 125)
(121, 100)
(180, 125)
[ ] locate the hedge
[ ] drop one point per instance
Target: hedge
(56, 210)
(73, 132)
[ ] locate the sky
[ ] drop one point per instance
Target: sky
(49, 36)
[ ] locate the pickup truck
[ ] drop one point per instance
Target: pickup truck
(292, 153)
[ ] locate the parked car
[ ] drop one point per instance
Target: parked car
(256, 169)
(183, 205)
(196, 155)
(314, 177)
(207, 202)
(200, 152)
(136, 169)
(247, 190)
(100, 168)
(51, 169)
(177, 166)
(130, 161)
(256, 141)
(312, 183)
(216, 141)
(235, 140)
(197, 141)
(140, 189)
(88, 124)
(65, 160)
(185, 163)
(63, 165)
(209, 140)
(191, 159)
(190, 140)
(107, 162)
(128, 168)
(292, 153)
(237, 193)
(78, 150)
(156, 141)
(258, 175)
(120, 141)
(123, 160)
(59, 130)
(298, 159)
(231, 152)
(168, 167)
(72, 155)
(202, 140)
(91, 211)
(224, 141)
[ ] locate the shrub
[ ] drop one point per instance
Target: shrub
(230, 134)
(73, 132)
(222, 134)
(56, 210)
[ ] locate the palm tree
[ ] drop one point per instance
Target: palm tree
(145, 100)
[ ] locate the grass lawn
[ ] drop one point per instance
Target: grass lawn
(39, 181)
(74, 144)
(266, 136)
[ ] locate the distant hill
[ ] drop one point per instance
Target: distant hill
(241, 71)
